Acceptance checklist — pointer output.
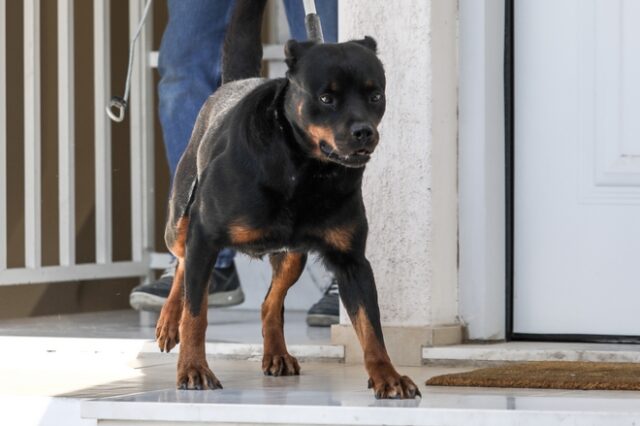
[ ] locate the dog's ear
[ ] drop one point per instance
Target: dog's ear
(369, 43)
(294, 50)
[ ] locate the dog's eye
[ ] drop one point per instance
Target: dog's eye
(326, 99)
(376, 97)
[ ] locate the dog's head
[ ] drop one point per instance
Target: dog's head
(336, 98)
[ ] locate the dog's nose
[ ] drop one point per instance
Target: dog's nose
(362, 132)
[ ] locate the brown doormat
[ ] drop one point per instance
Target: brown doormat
(549, 375)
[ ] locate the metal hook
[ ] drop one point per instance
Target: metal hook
(121, 104)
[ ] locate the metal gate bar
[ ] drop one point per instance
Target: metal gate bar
(32, 136)
(66, 135)
(3, 135)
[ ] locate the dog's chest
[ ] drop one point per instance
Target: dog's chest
(301, 223)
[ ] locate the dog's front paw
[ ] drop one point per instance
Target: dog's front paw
(168, 328)
(197, 376)
(393, 386)
(280, 365)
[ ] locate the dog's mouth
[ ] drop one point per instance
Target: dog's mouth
(355, 159)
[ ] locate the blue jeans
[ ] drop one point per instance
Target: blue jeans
(190, 63)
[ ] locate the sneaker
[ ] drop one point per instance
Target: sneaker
(326, 311)
(224, 289)
(151, 296)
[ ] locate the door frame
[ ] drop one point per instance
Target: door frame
(509, 151)
(486, 176)
(481, 168)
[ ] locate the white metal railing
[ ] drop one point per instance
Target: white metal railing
(141, 110)
(66, 132)
(141, 150)
(3, 136)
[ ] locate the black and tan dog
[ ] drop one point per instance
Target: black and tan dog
(275, 167)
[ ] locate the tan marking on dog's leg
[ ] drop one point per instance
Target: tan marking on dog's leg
(193, 369)
(287, 268)
(383, 377)
(168, 326)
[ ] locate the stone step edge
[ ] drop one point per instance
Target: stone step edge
(145, 347)
(468, 354)
(391, 413)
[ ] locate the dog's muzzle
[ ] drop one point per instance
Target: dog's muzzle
(357, 158)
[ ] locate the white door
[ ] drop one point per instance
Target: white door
(577, 167)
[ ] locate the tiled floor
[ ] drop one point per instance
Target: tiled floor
(92, 368)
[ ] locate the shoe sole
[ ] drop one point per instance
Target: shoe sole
(322, 320)
(226, 298)
(141, 301)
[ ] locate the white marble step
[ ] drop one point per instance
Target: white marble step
(317, 408)
(347, 407)
(530, 351)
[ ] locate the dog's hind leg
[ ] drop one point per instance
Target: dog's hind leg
(287, 268)
(200, 257)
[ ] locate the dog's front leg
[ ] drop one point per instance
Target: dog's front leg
(193, 369)
(358, 293)
(276, 360)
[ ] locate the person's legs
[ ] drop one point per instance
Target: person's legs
(189, 64)
(190, 67)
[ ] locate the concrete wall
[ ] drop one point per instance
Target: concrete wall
(410, 187)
